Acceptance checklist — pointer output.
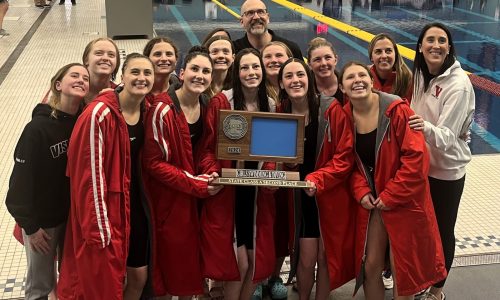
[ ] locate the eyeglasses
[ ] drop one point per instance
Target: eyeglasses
(259, 12)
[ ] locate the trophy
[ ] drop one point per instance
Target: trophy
(260, 136)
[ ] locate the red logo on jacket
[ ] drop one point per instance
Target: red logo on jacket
(438, 91)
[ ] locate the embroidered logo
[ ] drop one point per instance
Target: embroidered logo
(438, 91)
(59, 148)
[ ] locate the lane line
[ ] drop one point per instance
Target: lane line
(14, 55)
(312, 15)
(473, 33)
(341, 37)
(193, 39)
(232, 12)
(380, 23)
(487, 136)
(346, 28)
(367, 37)
(471, 13)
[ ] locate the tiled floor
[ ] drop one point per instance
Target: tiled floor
(60, 39)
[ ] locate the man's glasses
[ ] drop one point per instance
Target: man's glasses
(259, 12)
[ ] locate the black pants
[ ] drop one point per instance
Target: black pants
(446, 196)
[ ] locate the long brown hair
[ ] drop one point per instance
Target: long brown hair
(419, 64)
(149, 46)
(228, 81)
(403, 73)
(312, 97)
(239, 99)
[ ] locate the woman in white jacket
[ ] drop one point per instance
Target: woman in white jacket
(443, 101)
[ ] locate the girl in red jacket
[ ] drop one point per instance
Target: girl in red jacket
(237, 224)
(104, 176)
(273, 56)
(164, 54)
(389, 71)
(221, 51)
(298, 97)
(335, 161)
(395, 207)
(102, 59)
(323, 59)
(174, 126)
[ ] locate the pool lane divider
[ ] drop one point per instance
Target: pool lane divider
(406, 52)
(480, 82)
(341, 26)
(467, 31)
(414, 38)
(487, 136)
(471, 13)
(224, 7)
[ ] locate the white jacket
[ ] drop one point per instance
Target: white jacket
(448, 109)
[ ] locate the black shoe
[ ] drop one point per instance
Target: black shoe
(73, 2)
(61, 2)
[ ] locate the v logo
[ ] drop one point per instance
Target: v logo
(438, 90)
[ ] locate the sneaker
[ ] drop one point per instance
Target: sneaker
(277, 289)
(387, 279)
(4, 32)
(257, 294)
(429, 296)
(420, 295)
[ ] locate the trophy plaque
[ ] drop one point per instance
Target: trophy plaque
(260, 136)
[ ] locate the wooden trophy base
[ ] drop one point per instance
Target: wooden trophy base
(266, 178)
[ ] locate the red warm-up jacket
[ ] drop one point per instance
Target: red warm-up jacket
(335, 206)
(388, 85)
(401, 168)
(173, 189)
(218, 237)
(97, 233)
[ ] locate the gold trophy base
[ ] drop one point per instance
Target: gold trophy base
(261, 178)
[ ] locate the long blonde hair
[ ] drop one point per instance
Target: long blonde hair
(273, 92)
(88, 49)
(55, 94)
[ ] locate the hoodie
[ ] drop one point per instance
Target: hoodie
(447, 106)
(38, 195)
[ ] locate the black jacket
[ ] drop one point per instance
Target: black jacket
(243, 43)
(38, 195)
